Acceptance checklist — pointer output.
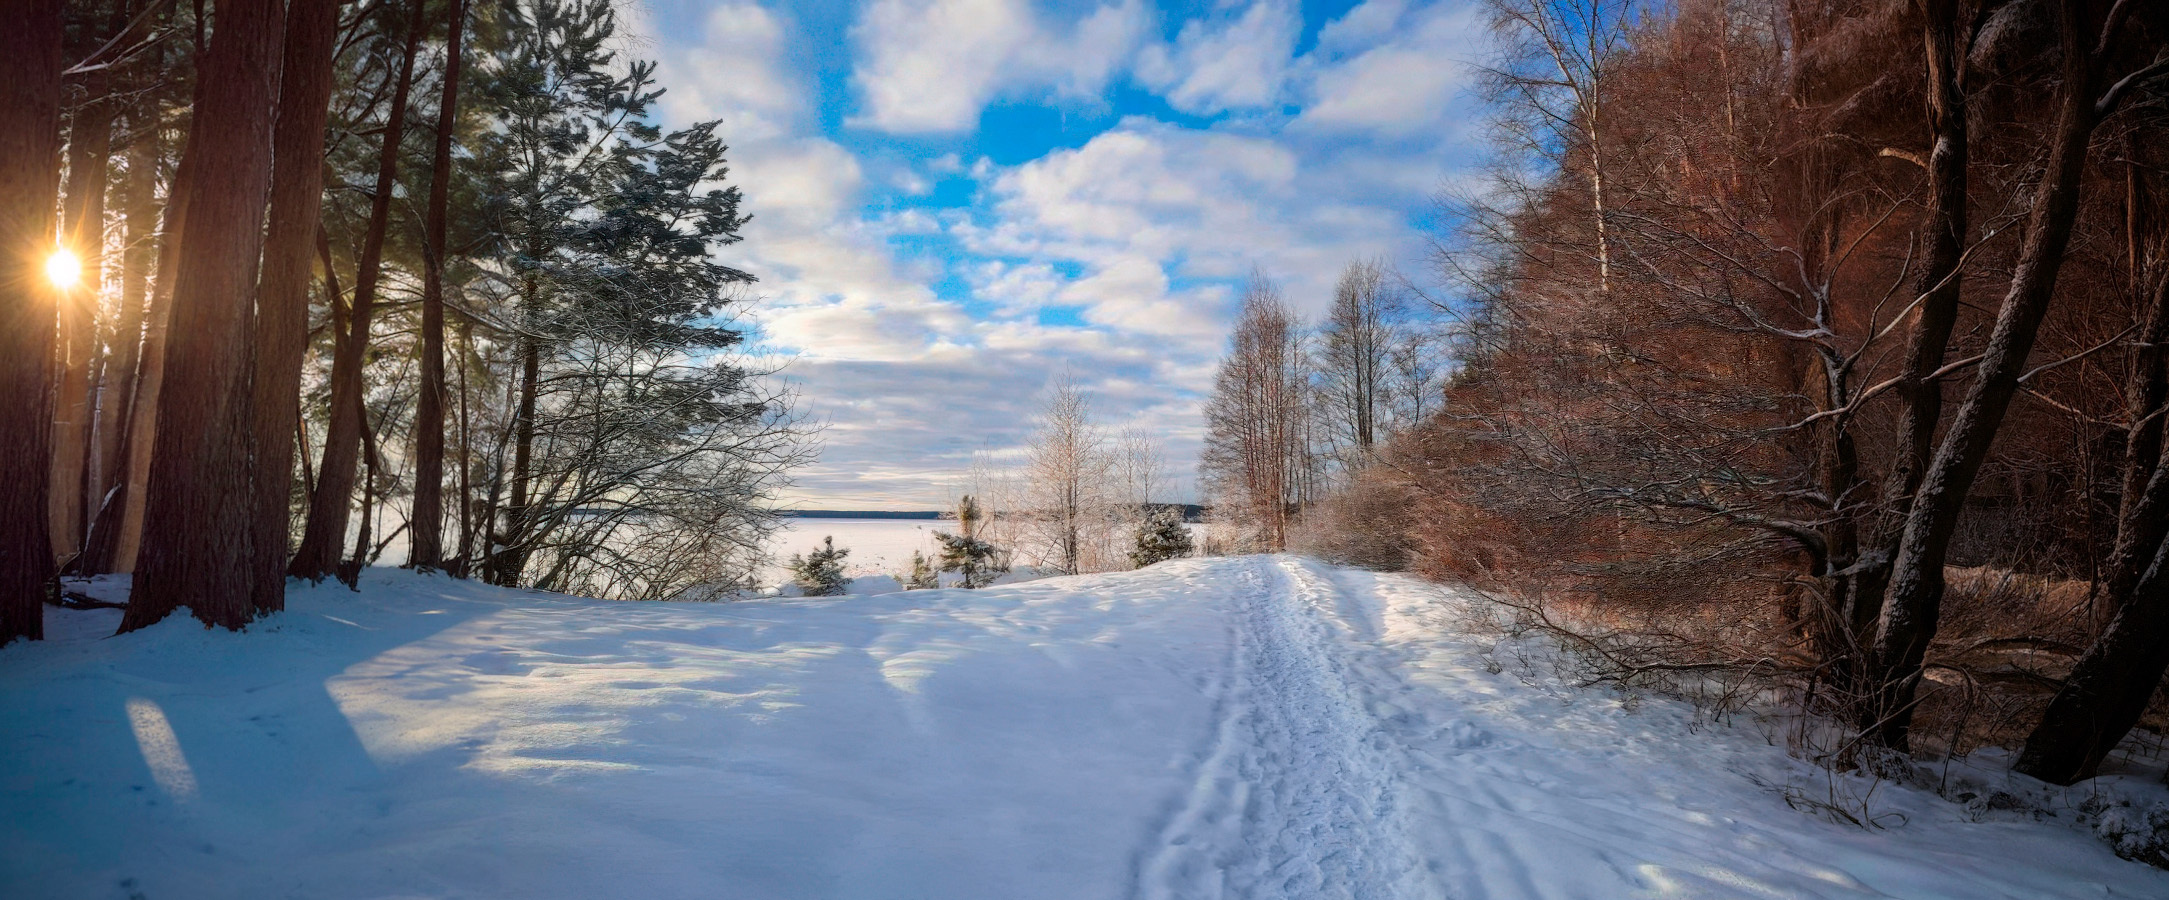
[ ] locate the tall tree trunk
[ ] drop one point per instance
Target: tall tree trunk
(282, 295)
(428, 537)
(1940, 279)
(90, 143)
(1910, 612)
(29, 178)
(325, 530)
(197, 513)
(1938, 290)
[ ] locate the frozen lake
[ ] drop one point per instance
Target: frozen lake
(878, 546)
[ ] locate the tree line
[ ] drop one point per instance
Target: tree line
(1299, 410)
(292, 283)
(1825, 342)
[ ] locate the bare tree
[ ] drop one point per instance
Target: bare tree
(1067, 474)
(1355, 357)
(1256, 454)
(1556, 60)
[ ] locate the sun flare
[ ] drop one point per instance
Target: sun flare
(63, 269)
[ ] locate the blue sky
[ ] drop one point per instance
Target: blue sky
(957, 201)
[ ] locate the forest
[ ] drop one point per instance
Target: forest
(332, 278)
(1812, 347)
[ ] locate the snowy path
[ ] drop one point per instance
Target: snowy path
(1259, 727)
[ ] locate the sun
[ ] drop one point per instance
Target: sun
(63, 269)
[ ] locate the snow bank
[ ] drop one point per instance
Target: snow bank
(1251, 727)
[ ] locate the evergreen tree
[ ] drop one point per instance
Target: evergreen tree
(922, 575)
(1162, 536)
(965, 554)
(820, 573)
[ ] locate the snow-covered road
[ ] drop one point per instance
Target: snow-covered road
(1256, 727)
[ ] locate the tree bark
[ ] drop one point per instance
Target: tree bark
(1936, 314)
(1946, 224)
(507, 564)
(30, 65)
(427, 540)
(197, 513)
(1916, 590)
(282, 294)
(325, 531)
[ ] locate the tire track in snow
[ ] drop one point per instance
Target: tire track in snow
(1297, 793)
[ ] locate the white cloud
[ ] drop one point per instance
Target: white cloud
(1143, 231)
(733, 73)
(930, 66)
(1401, 74)
(1220, 64)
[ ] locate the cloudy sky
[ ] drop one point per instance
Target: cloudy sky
(957, 201)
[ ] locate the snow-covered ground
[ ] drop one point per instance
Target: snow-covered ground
(1257, 727)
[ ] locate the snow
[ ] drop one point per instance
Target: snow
(878, 546)
(1243, 727)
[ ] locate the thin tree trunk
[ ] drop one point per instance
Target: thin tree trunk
(1916, 589)
(510, 562)
(106, 493)
(151, 375)
(282, 295)
(197, 514)
(90, 144)
(325, 530)
(30, 64)
(466, 458)
(428, 536)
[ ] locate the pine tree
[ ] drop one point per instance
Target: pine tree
(1162, 536)
(965, 554)
(820, 573)
(922, 575)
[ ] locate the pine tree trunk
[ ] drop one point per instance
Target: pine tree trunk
(282, 295)
(325, 531)
(197, 527)
(428, 537)
(1916, 589)
(507, 564)
(30, 64)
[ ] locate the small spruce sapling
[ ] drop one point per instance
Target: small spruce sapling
(922, 575)
(1162, 536)
(820, 573)
(964, 553)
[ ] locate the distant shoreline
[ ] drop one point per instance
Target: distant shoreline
(857, 514)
